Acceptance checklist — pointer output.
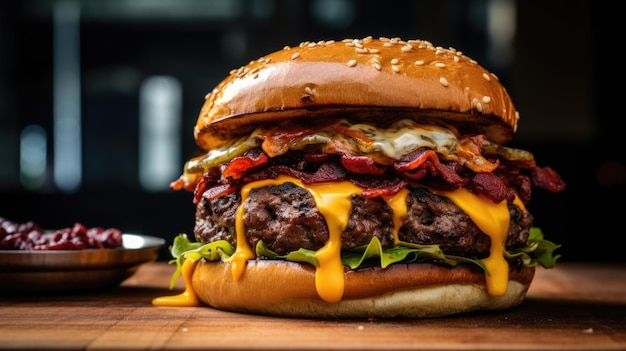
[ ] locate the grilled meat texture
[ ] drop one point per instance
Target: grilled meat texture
(286, 219)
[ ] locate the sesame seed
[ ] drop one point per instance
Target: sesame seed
(377, 66)
(440, 65)
(419, 63)
(477, 105)
(352, 63)
(308, 90)
(395, 61)
(443, 81)
(395, 68)
(295, 55)
(486, 99)
(361, 50)
(374, 51)
(486, 76)
(286, 47)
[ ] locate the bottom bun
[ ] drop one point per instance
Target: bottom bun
(414, 290)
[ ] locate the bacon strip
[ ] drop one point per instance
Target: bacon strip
(548, 179)
(492, 187)
(423, 165)
(239, 165)
(414, 159)
(277, 143)
(361, 165)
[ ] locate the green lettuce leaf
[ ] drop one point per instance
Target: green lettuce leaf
(302, 255)
(536, 251)
(404, 252)
(544, 253)
(183, 249)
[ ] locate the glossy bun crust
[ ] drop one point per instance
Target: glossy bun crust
(415, 290)
(369, 79)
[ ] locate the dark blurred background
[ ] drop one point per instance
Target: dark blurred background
(98, 99)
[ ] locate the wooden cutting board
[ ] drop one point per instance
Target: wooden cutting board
(574, 306)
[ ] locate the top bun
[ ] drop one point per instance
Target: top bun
(368, 78)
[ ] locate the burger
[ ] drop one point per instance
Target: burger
(362, 178)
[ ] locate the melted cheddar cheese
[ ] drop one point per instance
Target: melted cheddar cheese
(492, 219)
(333, 200)
(187, 298)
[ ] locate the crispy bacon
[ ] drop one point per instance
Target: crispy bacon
(379, 186)
(424, 161)
(423, 165)
(239, 165)
(221, 190)
(361, 165)
(414, 159)
(209, 180)
(548, 179)
(492, 187)
(277, 143)
(326, 172)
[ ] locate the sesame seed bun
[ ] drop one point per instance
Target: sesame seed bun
(313, 203)
(365, 78)
(414, 290)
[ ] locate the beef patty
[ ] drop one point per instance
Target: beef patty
(286, 219)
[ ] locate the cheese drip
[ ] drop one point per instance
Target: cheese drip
(397, 203)
(334, 201)
(492, 219)
(187, 298)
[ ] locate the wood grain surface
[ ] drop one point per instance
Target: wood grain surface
(575, 306)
